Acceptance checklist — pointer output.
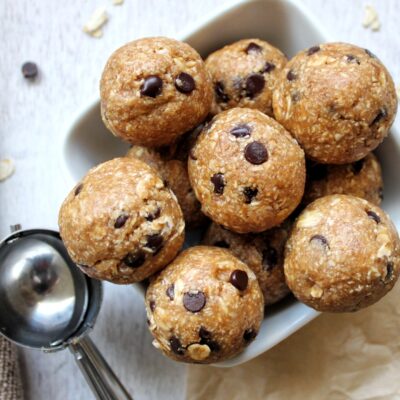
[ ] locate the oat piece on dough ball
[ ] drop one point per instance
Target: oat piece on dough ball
(120, 223)
(363, 178)
(153, 90)
(262, 253)
(206, 306)
(244, 74)
(343, 254)
(337, 100)
(247, 171)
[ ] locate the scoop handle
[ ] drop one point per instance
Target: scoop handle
(98, 374)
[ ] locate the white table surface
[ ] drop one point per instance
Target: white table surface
(33, 116)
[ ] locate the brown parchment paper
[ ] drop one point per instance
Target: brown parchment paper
(337, 356)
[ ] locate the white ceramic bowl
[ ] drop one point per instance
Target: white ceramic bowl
(290, 27)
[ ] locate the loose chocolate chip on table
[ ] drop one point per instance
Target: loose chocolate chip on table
(374, 216)
(269, 258)
(194, 301)
(312, 50)
(389, 271)
(372, 55)
(249, 194)
(153, 215)
(170, 291)
(29, 70)
(154, 242)
(120, 221)
(256, 153)
(249, 335)
(176, 345)
(240, 131)
(152, 305)
(184, 83)
(152, 86)
(219, 183)
(291, 76)
(220, 92)
(78, 189)
(239, 279)
(317, 172)
(253, 48)
(222, 244)
(134, 260)
(268, 67)
(352, 59)
(357, 166)
(322, 240)
(382, 113)
(254, 85)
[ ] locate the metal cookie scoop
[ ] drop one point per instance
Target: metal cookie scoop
(47, 303)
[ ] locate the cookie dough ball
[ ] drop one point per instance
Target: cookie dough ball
(363, 178)
(120, 223)
(343, 254)
(247, 171)
(263, 254)
(337, 100)
(244, 74)
(206, 306)
(153, 90)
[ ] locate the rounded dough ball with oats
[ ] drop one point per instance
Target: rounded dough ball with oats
(153, 90)
(337, 100)
(343, 254)
(262, 253)
(363, 178)
(244, 74)
(120, 223)
(247, 171)
(206, 306)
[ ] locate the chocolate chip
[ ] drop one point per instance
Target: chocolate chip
(253, 48)
(372, 55)
(382, 113)
(206, 338)
(152, 305)
(218, 181)
(357, 166)
(170, 291)
(374, 216)
(153, 215)
(222, 243)
(350, 58)
(134, 260)
(269, 258)
(120, 221)
(239, 279)
(291, 76)
(249, 335)
(295, 96)
(254, 84)
(194, 301)
(320, 240)
(78, 189)
(268, 67)
(184, 83)
(312, 50)
(249, 194)
(317, 172)
(389, 271)
(148, 321)
(154, 242)
(380, 193)
(204, 333)
(29, 70)
(176, 345)
(152, 86)
(220, 92)
(256, 153)
(240, 131)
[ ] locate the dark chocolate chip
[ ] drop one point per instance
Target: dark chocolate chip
(153, 215)
(204, 333)
(268, 67)
(120, 221)
(152, 86)
(170, 291)
(389, 271)
(312, 50)
(249, 335)
(134, 260)
(154, 242)
(254, 85)
(256, 153)
(350, 58)
(176, 345)
(291, 76)
(372, 55)
(374, 216)
(194, 301)
(380, 193)
(222, 243)
(249, 194)
(382, 113)
(253, 48)
(78, 189)
(148, 321)
(184, 83)
(239, 279)
(206, 338)
(269, 258)
(322, 240)
(295, 96)
(218, 181)
(152, 305)
(220, 92)
(357, 166)
(317, 172)
(240, 131)
(29, 70)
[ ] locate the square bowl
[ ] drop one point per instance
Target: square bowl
(288, 26)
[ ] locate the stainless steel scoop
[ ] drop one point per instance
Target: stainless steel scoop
(47, 303)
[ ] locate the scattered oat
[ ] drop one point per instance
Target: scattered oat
(95, 23)
(6, 168)
(118, 2)
(371, 18)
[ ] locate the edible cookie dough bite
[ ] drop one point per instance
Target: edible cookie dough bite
(153, 90)
(247, 171)
(262, 253)
(244, 74)
(337, 100)
(363, 178)
(120, 223)
(343, 254)
(206, 306)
